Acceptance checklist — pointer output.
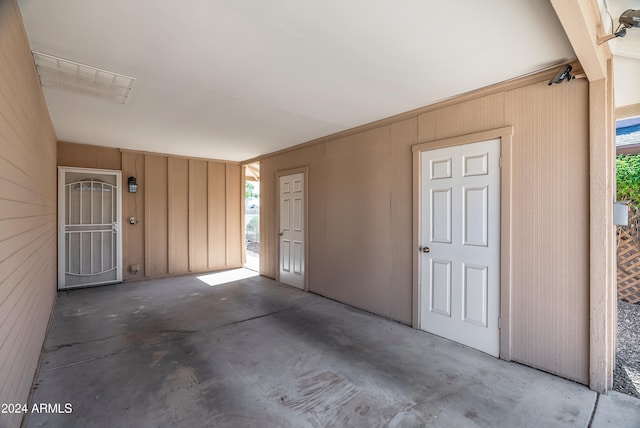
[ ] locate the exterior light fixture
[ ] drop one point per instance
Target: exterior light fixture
(133, 185)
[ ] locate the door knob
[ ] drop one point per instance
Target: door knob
(425, 249)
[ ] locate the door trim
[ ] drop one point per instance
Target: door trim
(305, 171)
(61, 225)
(505, 135)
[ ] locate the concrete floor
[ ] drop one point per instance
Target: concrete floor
(181, 353)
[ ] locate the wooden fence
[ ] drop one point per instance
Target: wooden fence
(628, 239)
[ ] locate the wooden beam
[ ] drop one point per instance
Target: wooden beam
(582, 24)
(602, 235)
(612, 287)
(624, 112)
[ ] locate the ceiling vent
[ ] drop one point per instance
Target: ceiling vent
(61, 73)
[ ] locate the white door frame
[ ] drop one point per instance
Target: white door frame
(505, 135)
(305, 171)
(61, 224)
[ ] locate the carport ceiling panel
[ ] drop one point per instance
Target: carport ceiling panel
(85, 79)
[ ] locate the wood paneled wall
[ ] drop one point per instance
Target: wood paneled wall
(193, 209)
(187, 211)
(27, 214)
(550, 223)
(360, 219)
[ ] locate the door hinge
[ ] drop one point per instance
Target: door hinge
(499, 323)
(500, 161)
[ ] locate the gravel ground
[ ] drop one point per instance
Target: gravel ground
(253, 248)
(626, 376)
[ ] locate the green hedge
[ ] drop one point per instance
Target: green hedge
(628, 178)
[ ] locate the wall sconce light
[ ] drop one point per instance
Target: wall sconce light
(630, 18)
(133, 185)
(563, 73)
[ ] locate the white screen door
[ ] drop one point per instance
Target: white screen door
(460, 258)
(291, 234)
(89, 235)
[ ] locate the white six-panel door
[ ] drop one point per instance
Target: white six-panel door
(291, 233)
(89, 233)
(460, 258)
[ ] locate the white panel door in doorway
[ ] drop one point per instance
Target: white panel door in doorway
(460, 254)
(291, 234)
(89, 234)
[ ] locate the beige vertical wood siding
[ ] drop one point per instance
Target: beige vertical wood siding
(156, 216)
(550, 226)
(193, 216)
(178, 215)
(403, 135)
(358, 217)
(234, 200)
(198, 216)
(360, 220)
(133, 245)
(27, 213)
(187, 211)
(217, 215)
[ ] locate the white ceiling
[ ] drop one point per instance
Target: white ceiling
(626, 72)
(629, 45)
(626, 52)
(233, 79)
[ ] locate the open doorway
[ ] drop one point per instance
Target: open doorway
(252, 216)
(626, 375)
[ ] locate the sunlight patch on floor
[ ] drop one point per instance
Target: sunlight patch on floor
(227, 276)
(252, 262)
(634, 377)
